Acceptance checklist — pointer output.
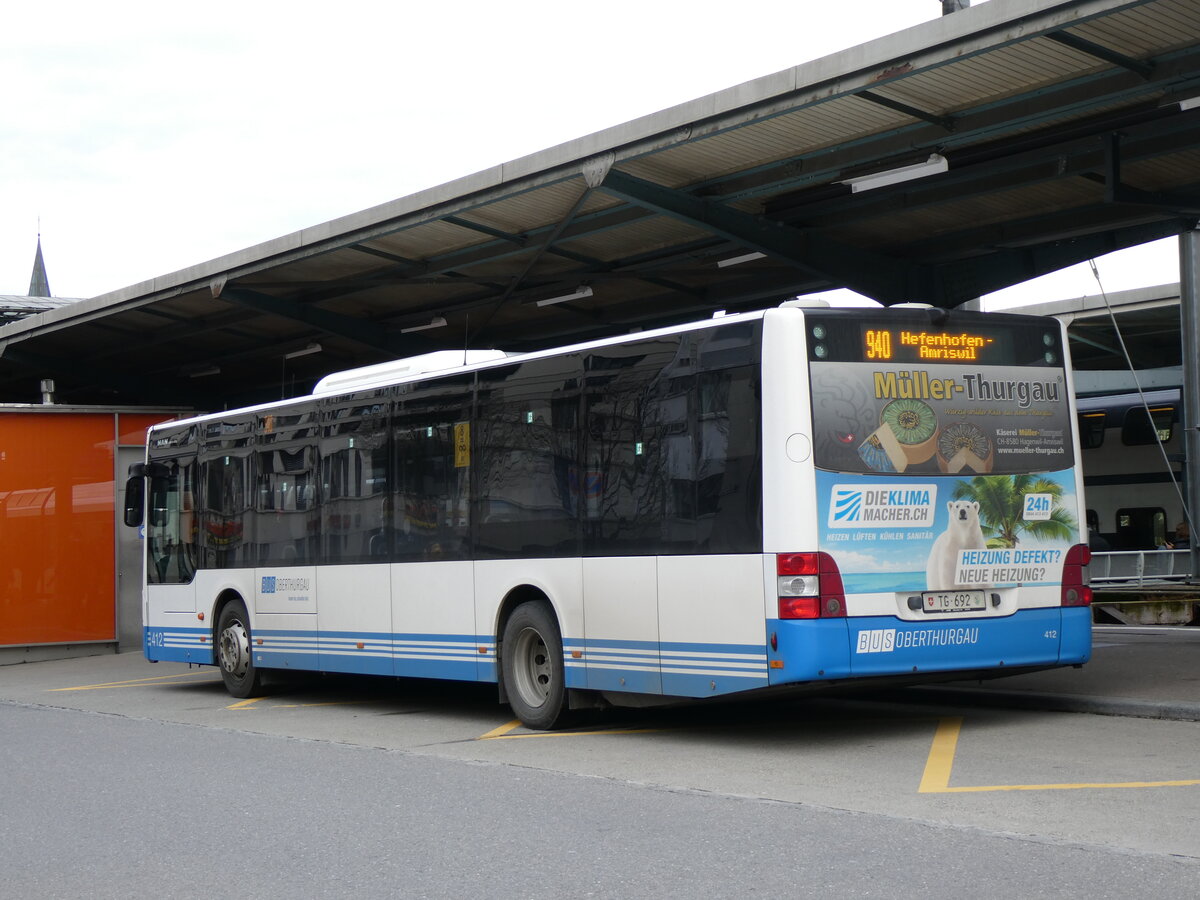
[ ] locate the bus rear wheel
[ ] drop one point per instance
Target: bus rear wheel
(532, 665)
(234, 655)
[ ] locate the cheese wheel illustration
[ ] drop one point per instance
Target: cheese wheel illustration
(914, 423)
(963, 445)
(882, 452)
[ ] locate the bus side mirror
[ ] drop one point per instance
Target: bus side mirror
(135, 499)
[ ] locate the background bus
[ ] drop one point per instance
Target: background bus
(796, 496)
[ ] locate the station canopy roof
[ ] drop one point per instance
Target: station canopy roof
(952, 159)
(1111, 334)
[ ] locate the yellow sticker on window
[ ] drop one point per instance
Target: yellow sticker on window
(462, 445)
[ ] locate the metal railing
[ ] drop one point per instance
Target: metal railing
(1139, 567)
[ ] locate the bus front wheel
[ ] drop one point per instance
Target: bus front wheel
(532, 663)
(234, 656)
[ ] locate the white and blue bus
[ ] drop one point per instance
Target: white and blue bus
(797, 496)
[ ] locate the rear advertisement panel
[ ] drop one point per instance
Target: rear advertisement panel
(945, 475)
(948, 533)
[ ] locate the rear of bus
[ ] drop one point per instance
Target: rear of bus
(923, 500)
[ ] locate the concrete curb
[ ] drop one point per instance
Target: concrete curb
(1177, 710)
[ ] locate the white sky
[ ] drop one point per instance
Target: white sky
(149, 137)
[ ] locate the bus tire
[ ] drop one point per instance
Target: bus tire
(532, 666)
(235, 658)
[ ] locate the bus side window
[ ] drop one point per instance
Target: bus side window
(627, 454)
(170, 529)
(431, 487)
(355, 461)
(526, 458)
(286, 514)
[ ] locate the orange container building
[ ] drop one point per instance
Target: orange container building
(70, 573)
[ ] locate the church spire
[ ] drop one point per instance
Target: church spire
(39, 285)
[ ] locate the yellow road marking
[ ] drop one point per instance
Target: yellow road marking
(329, 703)
(1069, 787)
(501, 731)
(504, 732)
(244, 704)
(941, 756)
(936, 779)
(158, 679)
(492, 736)
(249, 704)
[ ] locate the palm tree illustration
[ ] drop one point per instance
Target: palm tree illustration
(1001, 500)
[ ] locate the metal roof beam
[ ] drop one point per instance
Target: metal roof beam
(1116, 192)
(1144, 69)
(883, 278)
(519, 239)
(383, 254)
(965, 279)
(946, 122)
(591, 180)
(360, 331)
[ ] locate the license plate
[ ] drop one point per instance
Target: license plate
(952, 601)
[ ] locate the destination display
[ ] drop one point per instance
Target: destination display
(1001, 342)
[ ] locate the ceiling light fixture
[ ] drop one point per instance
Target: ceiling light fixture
(1189, 103)
(738, 260)
(435, 322)
(305, 351)
(583, 291)
(200, 373)
(935, 165)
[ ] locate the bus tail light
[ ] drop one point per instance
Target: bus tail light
(810, 586)
(1075, 578)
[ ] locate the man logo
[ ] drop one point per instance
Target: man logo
(268, 584)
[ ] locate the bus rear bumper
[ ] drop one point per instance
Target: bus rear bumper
(823, 649)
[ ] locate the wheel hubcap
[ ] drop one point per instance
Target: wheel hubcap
(532, 670)
(235, 649)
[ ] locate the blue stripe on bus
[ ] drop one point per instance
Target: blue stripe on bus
(177, 644)
(670, 667)
(662, 646)
(415, 655)
(374, 635)
(619, 665)
(808, 650)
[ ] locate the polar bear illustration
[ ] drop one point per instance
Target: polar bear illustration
(962, 533)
